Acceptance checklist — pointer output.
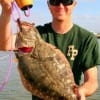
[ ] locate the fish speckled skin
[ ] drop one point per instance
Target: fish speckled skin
(44, 71)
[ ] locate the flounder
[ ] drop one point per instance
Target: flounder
(44, 70)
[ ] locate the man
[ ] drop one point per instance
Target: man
(79, 45)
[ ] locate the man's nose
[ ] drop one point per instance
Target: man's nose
(61, 5)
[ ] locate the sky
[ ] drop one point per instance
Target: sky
(85, 14)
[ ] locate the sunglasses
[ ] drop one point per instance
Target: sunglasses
(57, 2)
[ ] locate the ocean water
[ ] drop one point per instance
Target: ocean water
(14, 89)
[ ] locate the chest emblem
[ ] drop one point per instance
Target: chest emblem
(72, 52)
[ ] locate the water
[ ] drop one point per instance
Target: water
(14, 89)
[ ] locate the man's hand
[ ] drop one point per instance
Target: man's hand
(6, 6)
(81, 95)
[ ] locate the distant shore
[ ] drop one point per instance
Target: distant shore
(98, 35)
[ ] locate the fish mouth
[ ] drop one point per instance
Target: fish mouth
(25, 49)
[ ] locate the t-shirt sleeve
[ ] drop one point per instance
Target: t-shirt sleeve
(91, 53)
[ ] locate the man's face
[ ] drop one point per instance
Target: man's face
(61, 11)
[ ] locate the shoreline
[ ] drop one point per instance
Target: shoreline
(98, 35)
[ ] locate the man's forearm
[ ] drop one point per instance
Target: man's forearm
(5, 31)
(90, 84)
(88, 88)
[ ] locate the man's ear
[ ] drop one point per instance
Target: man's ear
(48, 3)
(75, 3)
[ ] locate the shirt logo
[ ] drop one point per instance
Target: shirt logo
(72, 52)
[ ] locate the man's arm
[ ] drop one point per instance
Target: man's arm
(90, 84)
(5, 26)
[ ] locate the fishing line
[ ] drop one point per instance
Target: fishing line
(27, 14)
(15, 8)
(2, 85)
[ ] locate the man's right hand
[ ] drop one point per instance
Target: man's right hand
(6, 6)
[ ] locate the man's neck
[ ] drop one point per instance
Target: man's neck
(62, 27)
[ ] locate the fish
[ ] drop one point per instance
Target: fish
(43, 68)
